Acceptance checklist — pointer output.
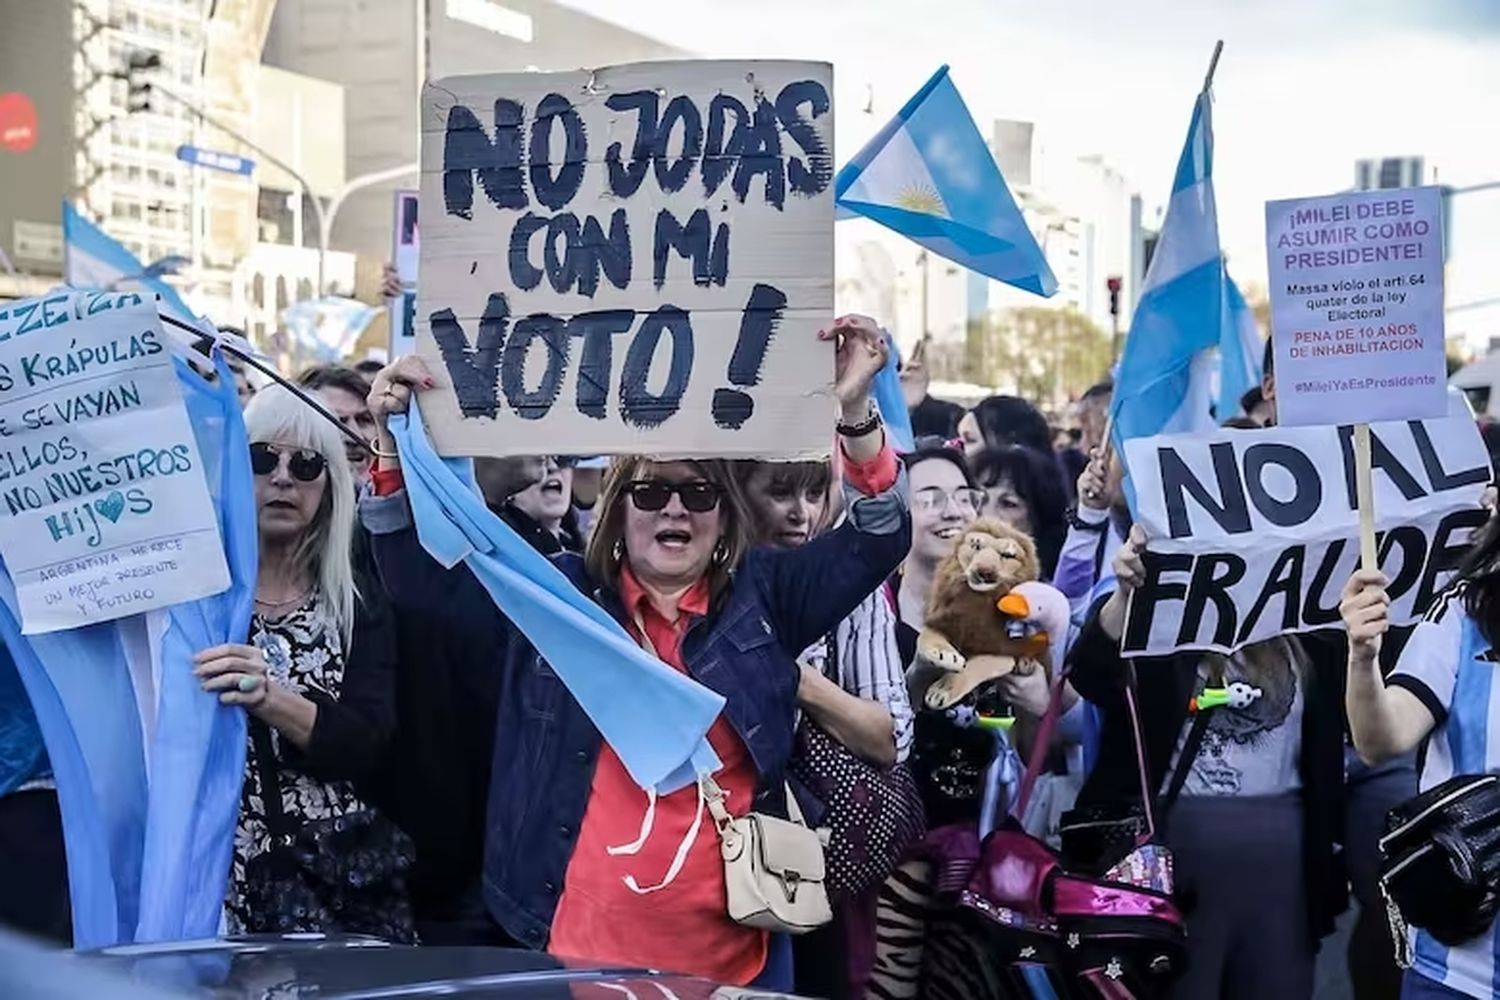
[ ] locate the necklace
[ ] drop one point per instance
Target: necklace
(276, 605)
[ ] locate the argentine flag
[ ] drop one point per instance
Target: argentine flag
(929, 176)
(149, 769)
(1241, 351)
(95, 260)
(1164, 381)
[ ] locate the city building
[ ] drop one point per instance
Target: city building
(381, 53)
(1470, 213)
(86, 137)
(299, 120)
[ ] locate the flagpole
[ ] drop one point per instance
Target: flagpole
(1213, 64)
(1109, 423)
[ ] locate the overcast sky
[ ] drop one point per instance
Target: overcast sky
(1304, 89)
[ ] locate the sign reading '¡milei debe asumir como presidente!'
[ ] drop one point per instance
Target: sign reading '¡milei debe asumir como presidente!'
(104, 509)
(1357, 306)
(633, 259)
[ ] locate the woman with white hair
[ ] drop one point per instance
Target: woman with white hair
(317, 682)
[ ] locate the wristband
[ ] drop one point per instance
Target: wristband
(865, 427)
(1077, 521)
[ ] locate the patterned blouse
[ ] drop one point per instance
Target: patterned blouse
(869, 663)
(304, 651)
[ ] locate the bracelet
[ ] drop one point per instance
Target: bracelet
(375, 450)
(865, 427)
(1082, 525)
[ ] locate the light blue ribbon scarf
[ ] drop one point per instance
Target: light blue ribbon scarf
(655, 718)
(148, 848)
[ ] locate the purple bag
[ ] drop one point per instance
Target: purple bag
(1053, 932)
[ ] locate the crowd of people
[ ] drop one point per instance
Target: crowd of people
(400, 717)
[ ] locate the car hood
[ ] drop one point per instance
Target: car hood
(352, 968)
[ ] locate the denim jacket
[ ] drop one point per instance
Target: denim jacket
(779, 603)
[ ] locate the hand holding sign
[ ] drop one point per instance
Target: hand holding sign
(1130, 576)
(1366, 610)
(390, 392)
(860, 355)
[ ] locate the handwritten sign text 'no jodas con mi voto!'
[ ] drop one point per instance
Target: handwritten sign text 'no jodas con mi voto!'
(629, 260)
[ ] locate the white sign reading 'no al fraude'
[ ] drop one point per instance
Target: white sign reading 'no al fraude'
(634, 259)
(1357, 306)
(104, 509)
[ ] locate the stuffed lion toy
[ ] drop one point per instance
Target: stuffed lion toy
(985, 602)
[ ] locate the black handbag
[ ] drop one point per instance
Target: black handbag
(1440, 861)
(344, 874)
(873, 814)
(1095, 837)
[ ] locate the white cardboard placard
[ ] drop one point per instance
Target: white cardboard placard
(1254, 533)
(104, 510)
(649, 288)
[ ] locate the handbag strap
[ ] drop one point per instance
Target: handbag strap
(1039, 746)
(1185, 761)
(278, 824)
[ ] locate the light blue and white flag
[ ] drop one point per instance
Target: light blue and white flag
(1241, 351)
(92, 259)
(149, 767)
(891, 401)
(1164, 380)
(929, 175)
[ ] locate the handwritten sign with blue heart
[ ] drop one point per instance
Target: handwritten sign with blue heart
(104, 509)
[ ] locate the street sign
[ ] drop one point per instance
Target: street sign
(227, 162)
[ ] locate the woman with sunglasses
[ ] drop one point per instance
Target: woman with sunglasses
(316, 676)
(669, 557)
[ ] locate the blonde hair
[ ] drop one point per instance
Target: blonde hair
(278, 415)
(608, 534)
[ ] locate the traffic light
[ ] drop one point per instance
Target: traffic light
(138, 98)
(138, 90)
(1114, 284)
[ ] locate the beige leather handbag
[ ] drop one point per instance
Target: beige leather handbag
(773, 867)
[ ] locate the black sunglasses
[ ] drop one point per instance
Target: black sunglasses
(651, 495)
(304, 465)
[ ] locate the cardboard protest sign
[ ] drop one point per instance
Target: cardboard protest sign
(1357, 306)
(404, 257)
(104, 509)
(1254, 533)
(629, 260)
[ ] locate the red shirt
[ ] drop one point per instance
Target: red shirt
(684, 927)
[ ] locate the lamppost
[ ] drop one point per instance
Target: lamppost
(140, 62)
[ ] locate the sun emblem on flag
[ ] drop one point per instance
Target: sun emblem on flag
(920, 198)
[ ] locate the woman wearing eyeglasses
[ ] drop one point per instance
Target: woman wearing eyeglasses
(669, 558)
(316, 677)
(944, 501)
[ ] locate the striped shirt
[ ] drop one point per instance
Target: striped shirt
(869, 663)
(1447, 665)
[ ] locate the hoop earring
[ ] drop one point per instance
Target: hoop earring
(721, 553)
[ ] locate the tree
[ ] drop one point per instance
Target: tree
(1048, 355)
(1259, 301)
